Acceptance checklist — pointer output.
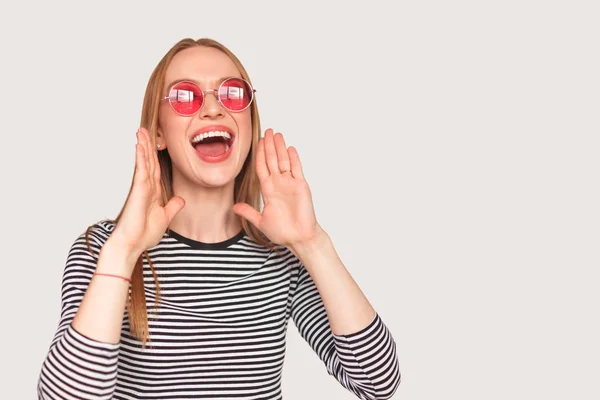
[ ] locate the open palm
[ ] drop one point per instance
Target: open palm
(288, 215)
(144, 219)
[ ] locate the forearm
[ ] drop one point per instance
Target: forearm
(364, 360)
(100, 315)
(77, 366)
(347, 307)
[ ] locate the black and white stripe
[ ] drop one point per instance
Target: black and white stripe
(219, 331)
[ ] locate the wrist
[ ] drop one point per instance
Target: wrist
(317, 241)
(116, 258)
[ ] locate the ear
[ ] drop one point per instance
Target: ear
(161, 143)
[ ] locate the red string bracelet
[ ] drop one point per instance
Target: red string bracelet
(114, 276)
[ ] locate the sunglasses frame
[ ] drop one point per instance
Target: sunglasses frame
(213, 91)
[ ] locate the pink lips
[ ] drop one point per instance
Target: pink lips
(221, 157)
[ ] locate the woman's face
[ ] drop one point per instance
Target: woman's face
(212, 161)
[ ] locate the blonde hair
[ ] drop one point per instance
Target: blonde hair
(246, 187)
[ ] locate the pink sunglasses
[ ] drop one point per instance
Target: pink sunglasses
(234, 94)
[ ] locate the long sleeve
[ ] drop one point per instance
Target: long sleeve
(364, 362)
(77, 367)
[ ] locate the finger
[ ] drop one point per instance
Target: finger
(283, 159)
(261, 162)
(149, 156)
(141, 170)
(295, 163)
(174, 205)
(271, 153)
(156, 186)
(143, 143)
(152, 159)
(248, 212)
(152, 166)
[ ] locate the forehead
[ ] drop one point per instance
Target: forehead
(204, 65)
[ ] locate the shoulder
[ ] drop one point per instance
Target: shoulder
(283, 255)
(99, 232)
(84, 251)
(274, 253)
(94, 236)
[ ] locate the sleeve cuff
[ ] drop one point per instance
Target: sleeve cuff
(94, 347)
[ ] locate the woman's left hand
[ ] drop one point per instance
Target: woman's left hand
(288, 217)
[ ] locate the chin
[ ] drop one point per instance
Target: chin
(209, 176)
(211, 173)
(216, 182)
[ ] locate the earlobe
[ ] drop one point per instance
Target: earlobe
(160, 142)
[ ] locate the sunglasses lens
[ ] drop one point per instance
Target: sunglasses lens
(235, 94)
(186, 98)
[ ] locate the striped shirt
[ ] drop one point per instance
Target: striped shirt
(219, 331)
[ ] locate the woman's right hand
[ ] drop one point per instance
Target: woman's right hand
(144, 219)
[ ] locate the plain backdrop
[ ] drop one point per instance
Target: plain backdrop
(451, 148)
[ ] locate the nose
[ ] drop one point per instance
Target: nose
(211, 108)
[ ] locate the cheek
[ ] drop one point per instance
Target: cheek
(170, 124)
(244, 125)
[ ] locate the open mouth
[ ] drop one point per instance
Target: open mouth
(213, 143)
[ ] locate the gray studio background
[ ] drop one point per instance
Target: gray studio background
(451, 148)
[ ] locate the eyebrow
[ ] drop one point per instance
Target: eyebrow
(218, 82)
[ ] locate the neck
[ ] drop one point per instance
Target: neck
(207, 216)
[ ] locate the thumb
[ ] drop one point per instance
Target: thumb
(173, 207)
(246, 211)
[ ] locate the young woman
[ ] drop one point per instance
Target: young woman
(188, 293)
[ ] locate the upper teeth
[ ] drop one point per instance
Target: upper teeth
(202, 136)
